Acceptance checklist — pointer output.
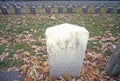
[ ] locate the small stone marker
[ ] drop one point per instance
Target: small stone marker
(97, 10)
(113, 66)
(7, 5)
(48, 9)
(17, 10)
(96, 5)
(109, 10)
(69, 9)
(60, 9)
(4, 10)
(85, 10)
(66, 45)
(118, 10)
(32, 9)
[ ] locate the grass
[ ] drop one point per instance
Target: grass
(15, 47)
(2, 48)
(13, 26)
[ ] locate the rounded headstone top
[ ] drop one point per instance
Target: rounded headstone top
(66, 28)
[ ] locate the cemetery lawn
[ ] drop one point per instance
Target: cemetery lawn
(23, 43)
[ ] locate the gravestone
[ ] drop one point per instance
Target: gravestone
(118, 10)
(4, 10)
(48, 9)
(85, 10)
(109, 10)
(113, 66)
(97, 10)
(102, 5)
(7, 5)
(69, 9)
(32, 9)
(66, 45)
(60, 9)
(17, 10)
(96, 5)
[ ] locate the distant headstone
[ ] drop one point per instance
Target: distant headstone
(113, 66)
(108, 5)
(118, 10)
(69, 9)
(48, 9)
(96, 5)
(4, 10)
(85, 9)
(7, 5)
(17, 10)
(66, 45)
(97, 10)
(109, 10)
(60, 9)
(102, 5)
(32, 9)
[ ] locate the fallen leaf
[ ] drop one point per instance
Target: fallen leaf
(97, 70)
(45, 63)
(3, 56)
(53, 17)
(13, 69)
(26, 53)
(17, 56)
(67, 76)
(24, 68)
(50, 79)
(28, 79)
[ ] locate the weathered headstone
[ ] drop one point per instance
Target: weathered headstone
(60, 9)
(69, 9)
(96, 5)
(85, 10)
(32, 9)
(118, 10)
(4, 10)
(113, 66)
(109, 10)
(17, 9)
(97, 10)
(48, 9)
(7, 5)
(66, 45)
(102, 5)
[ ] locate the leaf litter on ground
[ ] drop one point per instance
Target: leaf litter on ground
(36, 66)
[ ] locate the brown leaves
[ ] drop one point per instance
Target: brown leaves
(4, 54)
(26, 53)
(3, 41)
(28, 79)
(93, 67)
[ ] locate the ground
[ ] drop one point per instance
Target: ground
(23, 44)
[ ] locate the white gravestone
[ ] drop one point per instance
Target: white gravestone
(66, 45)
